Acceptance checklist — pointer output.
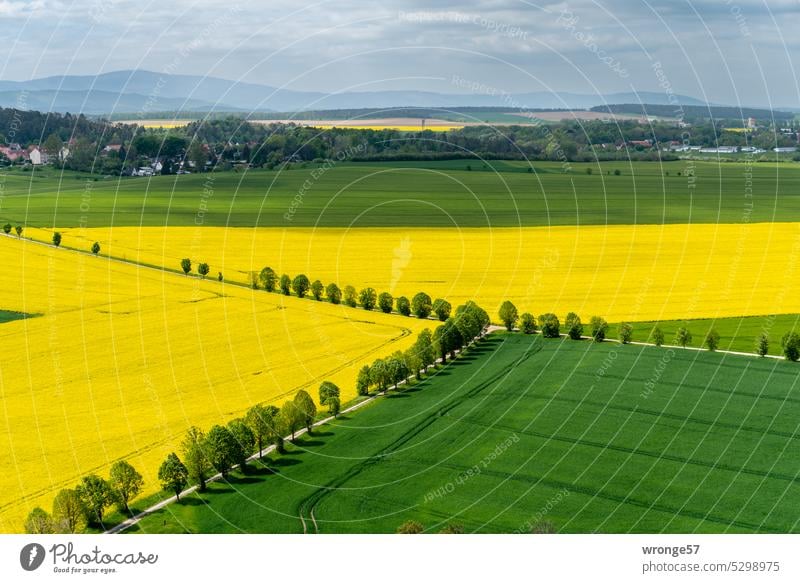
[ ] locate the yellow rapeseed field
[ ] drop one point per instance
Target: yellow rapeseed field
(619, 272)
(122, 359)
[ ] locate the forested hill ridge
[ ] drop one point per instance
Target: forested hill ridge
(82, 144)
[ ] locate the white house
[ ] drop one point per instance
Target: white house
(37, 157)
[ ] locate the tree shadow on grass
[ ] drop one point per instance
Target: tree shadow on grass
(283, 462)
(323, 433)
(220, 488)
(191, 501)
(310, 443)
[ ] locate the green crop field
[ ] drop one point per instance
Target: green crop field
(590, 437)
(420, 194)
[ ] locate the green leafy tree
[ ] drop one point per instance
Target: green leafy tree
(327, 390)
(367, 297)
(195, 458)
(268, 279)
(334, 406)
(549, 325)
(380, 375)
(410, 527)
(95, 248)
(386, 302)
(186, 265)
(599, 328)
(308, 410)
(69, 512)
(508, 315)
(285, 284)
(403, 306)
(197, 155)
(263, 422)
(574, 326)
(300, 285)
(173, 475)
(625, 333)
(97, 495)
(425, 349)
(333, 293)
(421, 305)
(203, 270)
(290, 417)
(657, 336)
(442, 309)
(762, 344)
(317, 289)
(712, 340)
(413, 361)
(53, 146)
(543, 527)
(126, 483)
(399, 368)
(364, 381)
(7, 228)
(56, 238)
(39, 522)
(222, 449)
(18, 230)
(453, 528)
(791, 346)
(350, 299)
(527, 323)
(683, 337)
(440, 342)
(246, 439)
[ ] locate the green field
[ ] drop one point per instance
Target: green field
(420, 194)
(738, 334)
(591, 437)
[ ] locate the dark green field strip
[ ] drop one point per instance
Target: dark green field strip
(682, 460)
(413, 194)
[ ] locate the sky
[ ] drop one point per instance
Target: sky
(738, 52)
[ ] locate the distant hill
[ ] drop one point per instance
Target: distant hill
(694, 112)
(141, 92)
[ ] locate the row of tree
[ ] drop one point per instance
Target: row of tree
(469, 322)
(76, 508)
(550, 327)
(421, 305)
(56, 239)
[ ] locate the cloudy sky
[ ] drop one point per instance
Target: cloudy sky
(724, 51)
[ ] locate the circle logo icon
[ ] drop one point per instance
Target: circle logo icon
(31, 556)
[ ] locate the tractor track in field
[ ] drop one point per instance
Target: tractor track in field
(306, 507)
(671, 416)
(635, 451)
(622, 499)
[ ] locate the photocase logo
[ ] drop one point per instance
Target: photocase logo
(31, 556)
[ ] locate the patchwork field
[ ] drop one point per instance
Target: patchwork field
(632, 273)
(592, 438)
(116, 361)
(460, 193)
